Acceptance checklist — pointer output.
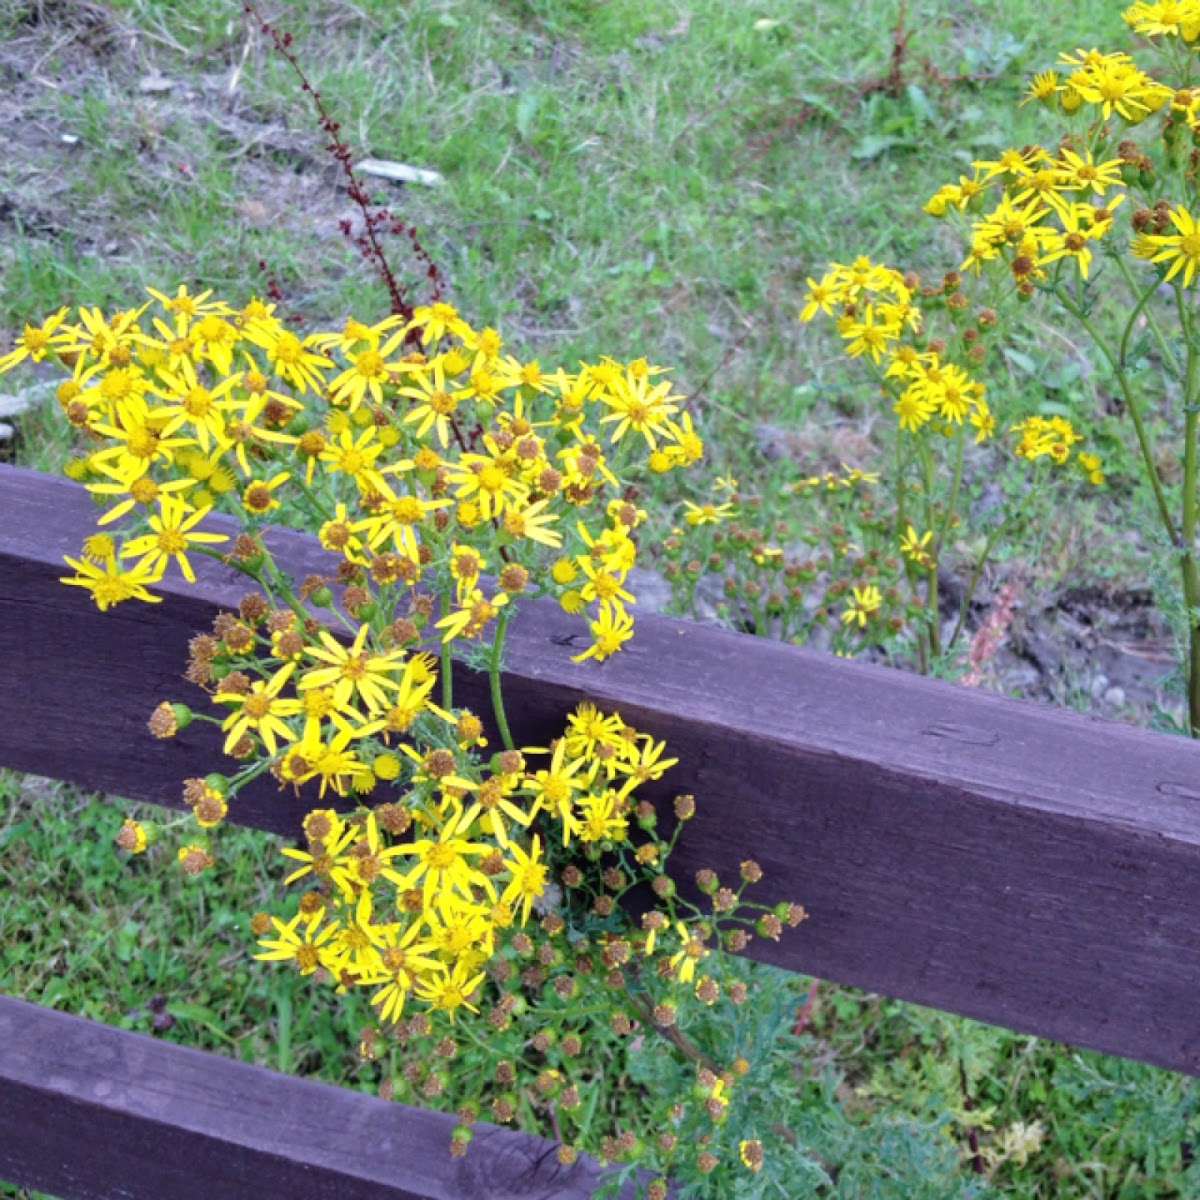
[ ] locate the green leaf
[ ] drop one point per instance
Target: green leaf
(527, 109)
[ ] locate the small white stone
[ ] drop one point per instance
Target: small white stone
(383, 168)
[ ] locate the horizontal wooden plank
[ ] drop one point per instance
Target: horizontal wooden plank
(88, 1112)
(1019, 864)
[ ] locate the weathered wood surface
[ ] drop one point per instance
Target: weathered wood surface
(94, 1113)
(1023, 865)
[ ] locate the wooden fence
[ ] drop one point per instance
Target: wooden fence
(1018, 864)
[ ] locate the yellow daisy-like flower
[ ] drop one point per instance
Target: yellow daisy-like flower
(865, 604)
(260, 711)
(350, 670)
(404, 959)
(452, 990)
(692, 951)
(443, 862)
(528, 874)
(368, 371)
(1043, 87)
(706, 514)
(1181, 249)
(174, 534)
(109, 584)
(300, 941)
(916, 547)
(639, 406)
(610, 631)
(36, 341)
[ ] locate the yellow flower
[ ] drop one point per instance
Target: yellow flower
(610, 631)
(868, 336)
(554, 788)
(693, 950)
(706, 514)
(751, 1154)
(289, 356)
(821, 296)
(490, 481)
(403, 958)
(109, 584)
(917, 548)
(452, 990)
(527, 877)
(174, 533)
(434, 406)
(1181, 249)
(260, 711)
(301, 941)
(638, 405)
(865, 604)
(474, 612)
(442, 862)
(352, 670)
(367, 372)
(1168, 18)
(36, 341)
(436, 320)
(1043, 87)
(533, 523)
(356, 458)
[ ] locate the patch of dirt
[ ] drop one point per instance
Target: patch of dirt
(1108, 651)
(81, 85)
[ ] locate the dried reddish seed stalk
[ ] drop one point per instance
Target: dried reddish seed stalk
(376, 220)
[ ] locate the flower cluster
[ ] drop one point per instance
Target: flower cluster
(876, 314)
(413, 446)
(783, 567)
(447, 481)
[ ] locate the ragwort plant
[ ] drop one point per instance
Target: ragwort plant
(466, 893)
(856, 551)
(1105, 217)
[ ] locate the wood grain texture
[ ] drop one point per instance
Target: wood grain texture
(1020, 864)
(93, 1113)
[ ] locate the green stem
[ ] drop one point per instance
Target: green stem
(931, 585)
(494, 662)
(1160, 499)
(948, 519)
(322, 511)
(683, 1044)
(974, 583)
(1191, 581)
(447, 680)
(910, 568)
(1165, 350)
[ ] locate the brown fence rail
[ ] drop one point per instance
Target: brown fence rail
(1022, 865)
(90, 1111)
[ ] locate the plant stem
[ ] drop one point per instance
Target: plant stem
(447, 681)
(1191, 581)
(494, 662)
(1165, 350)
(1131, 403)
(684, 1045)
(322, 512)
(974, 583)
(931, 589)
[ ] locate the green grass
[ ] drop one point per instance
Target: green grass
(621, 178)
